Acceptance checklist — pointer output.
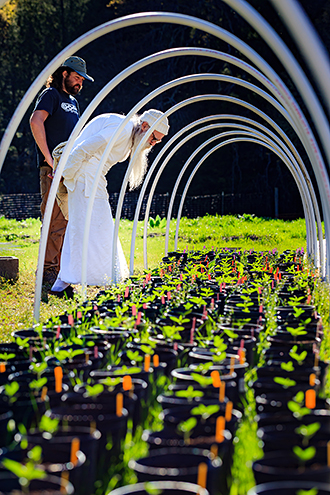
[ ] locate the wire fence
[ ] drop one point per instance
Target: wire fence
(22, 206)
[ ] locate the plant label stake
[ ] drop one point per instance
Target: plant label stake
(163, 299)
(58, 372)
(92, 427)
(70, 320)
(44, 393)
(126, 292)
(138, 319)
(232, 363)
(133, 310)
(2, 367)
(64, 481)
(146, 362)
(202, 475)
(127, 382)
(222, 391)
(214, 450)
(192, 330)
(155, 360)
(216, 380)
(228, 411)
(58, 331)
(219, 428)
(168, 296)
(119, 404)
(30, 352)
(312, 378)
(328, 453)
(75, 445)
(310, 398)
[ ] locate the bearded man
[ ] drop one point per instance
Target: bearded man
(55, 115)
(79, 173)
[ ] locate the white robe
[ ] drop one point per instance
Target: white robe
(79, 173)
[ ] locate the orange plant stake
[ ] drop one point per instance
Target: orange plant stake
(312, 378)
(64, 481)
(222, 391)
(155, 360)
(216, 380)
(219, 428)
(119, 404)
(214, 449)
(58, 372)
(202, 475)
(127, 382)
(328, 453)
(310, 398)
(2, 367)
(75, 445)
(232, 364)
(146, 362)
(229, 410)
(43, 393)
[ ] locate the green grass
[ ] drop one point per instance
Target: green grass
(21, 239)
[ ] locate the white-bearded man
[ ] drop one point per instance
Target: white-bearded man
(79, 173)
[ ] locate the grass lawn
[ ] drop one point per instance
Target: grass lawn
(21, 239)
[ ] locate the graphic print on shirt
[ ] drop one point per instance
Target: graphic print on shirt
(69, 107)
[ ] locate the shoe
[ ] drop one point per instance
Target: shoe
(49, 277)
(67, 293)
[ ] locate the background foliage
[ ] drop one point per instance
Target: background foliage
(32, 32)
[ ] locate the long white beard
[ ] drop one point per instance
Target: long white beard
(140, 162)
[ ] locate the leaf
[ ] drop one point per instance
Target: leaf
(312, 491)
(188, 425)
(308, 430)
(287, 366)
(285, 382)
(304, 454)
(11, 388)
(35, 454)
(48, 424)
(151, 490)
(93, 390)
(204, 381)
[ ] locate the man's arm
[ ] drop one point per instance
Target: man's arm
(37, 124)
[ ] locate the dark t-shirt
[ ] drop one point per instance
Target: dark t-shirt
(63, 112)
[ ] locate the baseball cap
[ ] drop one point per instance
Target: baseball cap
(78, 65)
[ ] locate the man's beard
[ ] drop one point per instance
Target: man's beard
(72, 89)
(140, 162)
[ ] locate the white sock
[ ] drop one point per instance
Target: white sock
(59, 285)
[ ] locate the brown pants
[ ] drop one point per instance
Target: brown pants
(57, 223)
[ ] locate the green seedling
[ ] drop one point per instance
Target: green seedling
(285, 382)
(5, 356)
(94, 390)
(312, 491)
(300, 358)
(204, 381)
(296, 406)
(307, 432)
(29, 470)
(205, 411)
(38, 384)
(149, 488)
(287, 366)
(110, 382)
(172, 332)
(49, 425)
(186, 427)
(304, 455)
(68, 354)
(190, 393)
(11, 390)
(134, 356)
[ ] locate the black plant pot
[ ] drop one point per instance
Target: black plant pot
(285, 437)
(284, 466)
(51, 485)
(180, 465)
(289, 488)
(56, 450)
(163, 487)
